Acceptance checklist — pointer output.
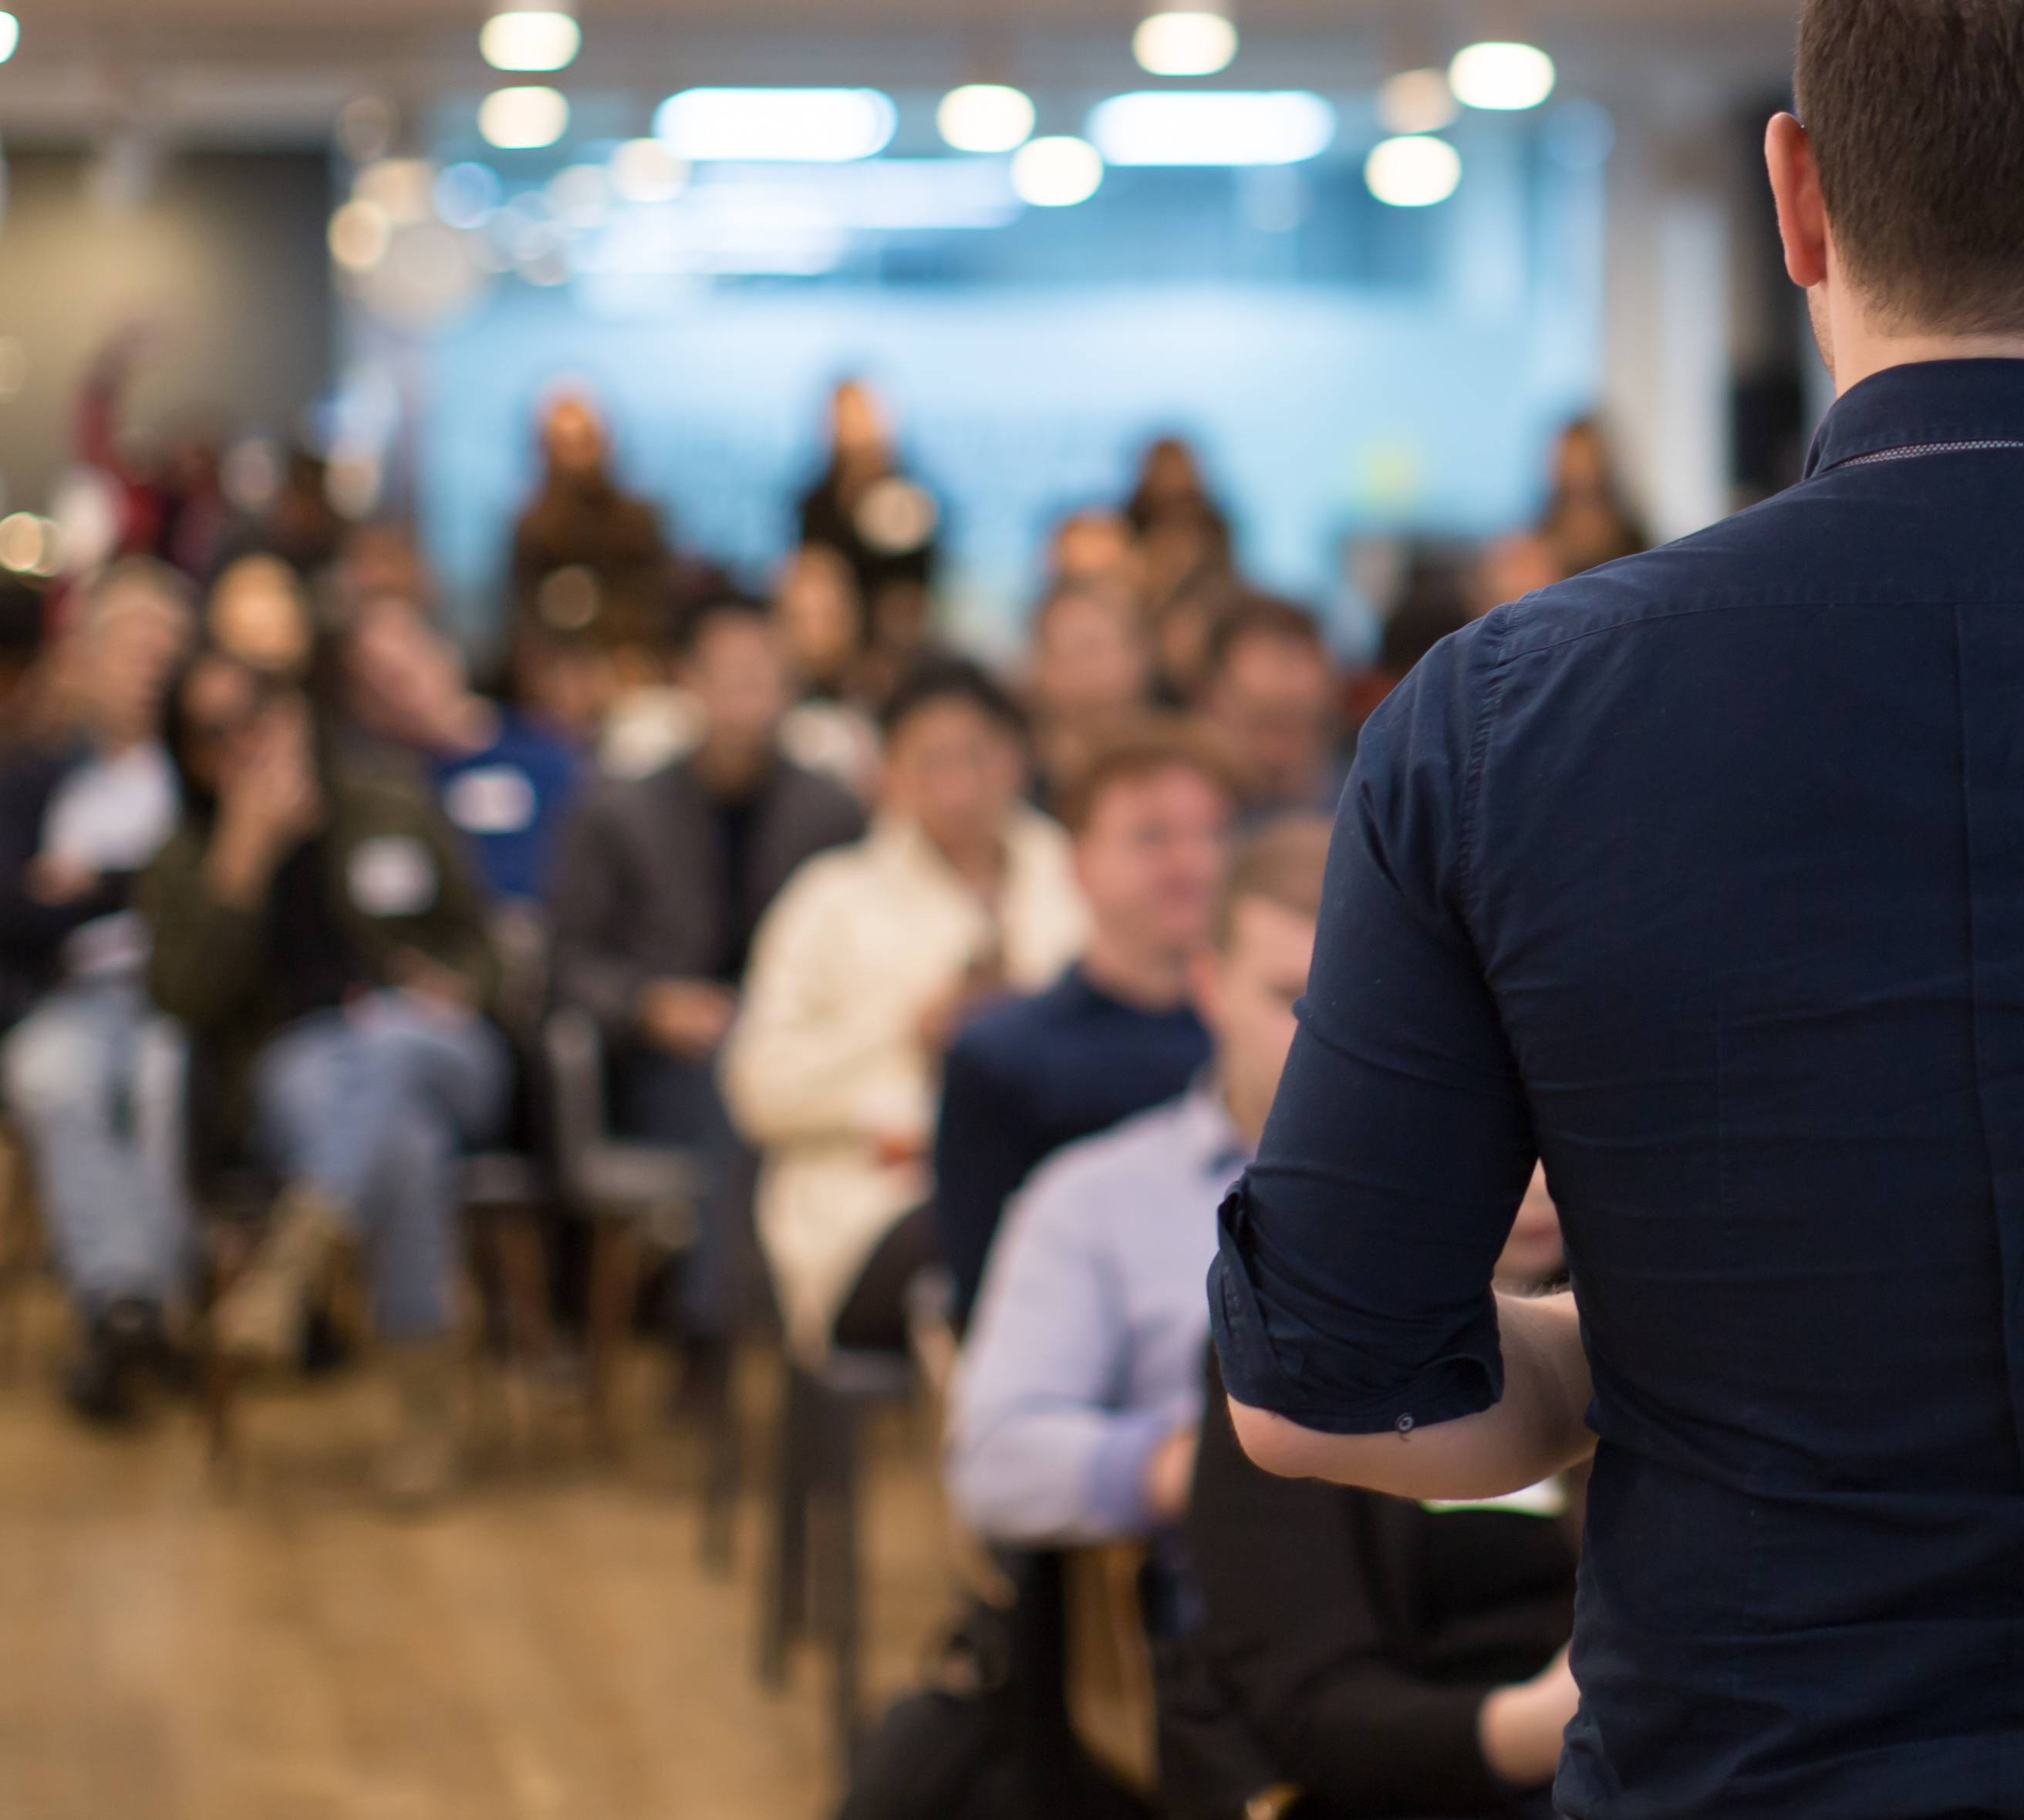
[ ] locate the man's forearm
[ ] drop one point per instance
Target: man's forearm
(1538, 1428)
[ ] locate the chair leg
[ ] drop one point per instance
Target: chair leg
(523, 1259)
(721, 1470)
(785, 1616)
(614, 1282)
(843, 1575)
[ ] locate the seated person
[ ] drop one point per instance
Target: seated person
(1091, 668)
(502, 782)
(79, 819)
(1270, 692)
(1078, 1398)
(1389, 1658)
(1150, 816)
(662, 881)
(861, 972)
(319, 934)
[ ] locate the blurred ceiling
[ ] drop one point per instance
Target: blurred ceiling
(239, 70)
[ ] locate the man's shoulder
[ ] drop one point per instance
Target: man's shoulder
(1149, 1144)
(817, 799)
(1749, 559)
(1006, 1032)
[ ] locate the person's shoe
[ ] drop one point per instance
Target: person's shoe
(419, 1467)
(262, 1318)
(125, 1342)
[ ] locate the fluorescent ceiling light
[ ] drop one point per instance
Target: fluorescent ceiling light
(1507, 77)
(1203, 126)
(1413, 172)
(1057, 173)
(10, 36)
(789, 126)
(530, 38)
(1194, 42)
(985, 117)
(1417, 100)
(520, 119)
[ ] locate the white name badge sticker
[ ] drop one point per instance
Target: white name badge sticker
(392, 875)
(494, 800)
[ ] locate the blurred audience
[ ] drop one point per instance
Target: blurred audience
(582, 521)
(1389, 1658)
(861, 974)
(1588, 520)
(1150, 815)
(95, 1102)
(1077, 1404)
(1094, 546)
(503, 781)
(318, 933)
(1091, 669)
(884, 524)
(27, 707)
(1270, 692)
(663, 881)
(821, 616)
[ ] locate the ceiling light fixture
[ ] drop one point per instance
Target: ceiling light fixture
(776, 126)
(1211, 126)
(10, 36)
(523, 119)
(1197, 40)
(1505, 78)
(985, 117)
(531, 34)
(1413, 171)
(1057, 173)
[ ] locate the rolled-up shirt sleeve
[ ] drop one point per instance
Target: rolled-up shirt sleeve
(1352, 1291)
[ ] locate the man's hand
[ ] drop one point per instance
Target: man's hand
(1170, 1476)
(269, 804)
(55, 879)
(1521, 1726)
(687, 1018)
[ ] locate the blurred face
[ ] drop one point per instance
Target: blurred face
(229, 723)
(1170, 471)
(573, 435)
(1246, 994)
(566, 686)
(739, 675)
(1151, 856)
(1580, 468)
(1091, 660)
(957, 771)
(819, 613)
(1533, 1255)
(132, 646)
(857, 422)
(1273, 702)
(403, 680)
(258, 615)
(1093, 547)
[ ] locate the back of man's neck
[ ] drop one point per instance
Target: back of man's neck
(1864, 356)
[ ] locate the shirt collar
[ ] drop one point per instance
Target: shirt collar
(1213, 1145)
(1919, 403)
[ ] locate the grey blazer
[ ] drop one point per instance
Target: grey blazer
(638, 893)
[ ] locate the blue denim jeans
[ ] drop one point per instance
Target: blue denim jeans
(373, 1106)
(93, 1084)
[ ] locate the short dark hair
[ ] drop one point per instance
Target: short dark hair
(1915, 111)
(1143, 749)
(719, 609)
(1263, 616)
(1285, 863)
(936, 680)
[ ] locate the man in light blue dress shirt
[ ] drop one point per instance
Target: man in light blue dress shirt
(1078, 1399)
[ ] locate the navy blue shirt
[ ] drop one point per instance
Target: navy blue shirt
(510, 801)
(1702, 878)
(1031, 1075)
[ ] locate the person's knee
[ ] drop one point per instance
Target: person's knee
(53, 1070)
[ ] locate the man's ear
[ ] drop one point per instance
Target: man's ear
(1795, 187)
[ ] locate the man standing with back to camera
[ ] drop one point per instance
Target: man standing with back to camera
(1702, 878)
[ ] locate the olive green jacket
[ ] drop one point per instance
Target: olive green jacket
(399, 880)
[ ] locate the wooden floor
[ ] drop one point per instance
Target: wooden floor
(548, 1648)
